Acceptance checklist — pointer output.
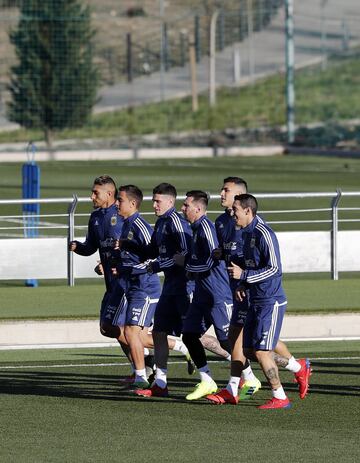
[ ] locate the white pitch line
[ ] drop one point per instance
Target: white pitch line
(116, 364)
(59, 346)
(113, 344)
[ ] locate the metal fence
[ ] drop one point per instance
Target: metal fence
(335, 218)
(144, 57)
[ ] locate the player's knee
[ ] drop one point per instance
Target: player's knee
(189, 339)
(109, 331)
(249, 353)
(262, 355)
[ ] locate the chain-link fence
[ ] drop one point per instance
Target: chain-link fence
(143, 53)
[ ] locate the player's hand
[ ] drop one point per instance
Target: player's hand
(179, 259)
(99, 269)
(240, 293)
(217, 253)
(149, 268)
(118, 244)
(114, 272)
(234, 271)
(72, 246)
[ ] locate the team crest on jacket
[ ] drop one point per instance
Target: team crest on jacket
(113, 220)
(130, 235)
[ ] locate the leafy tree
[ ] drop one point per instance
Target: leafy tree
(54, 84)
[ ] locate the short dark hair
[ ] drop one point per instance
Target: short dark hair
(106, 180)
(199, 196)
(237, 181)
(165, 189)
(247, 200)
(133, 192)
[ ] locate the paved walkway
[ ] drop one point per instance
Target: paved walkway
(66, 333)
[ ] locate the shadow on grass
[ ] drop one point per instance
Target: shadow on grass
(336, 368)
(80, 385)
(107, 387)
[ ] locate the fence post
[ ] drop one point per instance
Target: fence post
(323, 4)
(182, 41)
(221, 30)
(197, 38)
(290, 90)
(344, 36)
(236, 64)
(250, 31)
(166, 48)
(334, 235)
(212, 78)
(71, 235)
(193, 75)
(129, 64)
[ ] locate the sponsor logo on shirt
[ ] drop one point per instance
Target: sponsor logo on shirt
(107, 243)
(230, 246)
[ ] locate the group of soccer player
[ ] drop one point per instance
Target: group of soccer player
(226, 275)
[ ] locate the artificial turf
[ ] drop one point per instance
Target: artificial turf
(67, 405)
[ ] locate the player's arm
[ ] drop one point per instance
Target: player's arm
(218, 252)
(206, 243)
(88, 247)
(269, 257)
(141, 239)
(140, 249)
(182, 237)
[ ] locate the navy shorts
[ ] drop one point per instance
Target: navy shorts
(204, 312)
(263, 325)
(113, 307)
(240, 312)
(170, 313)
(140, 308)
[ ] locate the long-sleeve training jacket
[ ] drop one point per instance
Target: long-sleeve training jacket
(261, 263)
(210, 274)
(104, 228)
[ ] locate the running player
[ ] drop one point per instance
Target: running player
(212, 300)
(230, 238)
(260, 270)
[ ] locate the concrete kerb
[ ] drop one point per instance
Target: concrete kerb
(82, 333)
(143, 153)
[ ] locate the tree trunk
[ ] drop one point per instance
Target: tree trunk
(49, 135)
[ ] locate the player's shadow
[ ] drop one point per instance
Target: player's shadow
(114, 356)
(33, 382)
(61, 384)
(336, 368)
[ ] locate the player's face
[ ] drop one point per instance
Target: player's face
(228, 192)
(162, 203)
(189, 209)
(125, 205)
(100, 196)
(242, 215)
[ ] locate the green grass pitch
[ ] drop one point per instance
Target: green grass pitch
(67, 406)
